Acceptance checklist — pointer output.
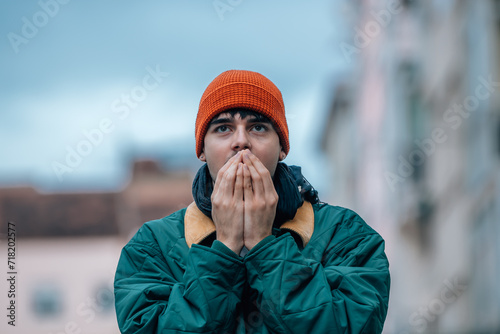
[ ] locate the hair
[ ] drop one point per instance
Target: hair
(244, 113)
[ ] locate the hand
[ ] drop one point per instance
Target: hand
(227, 204)
(260, 200)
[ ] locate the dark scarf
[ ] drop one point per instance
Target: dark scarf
(290, 184)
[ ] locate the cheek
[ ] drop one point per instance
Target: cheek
(213, 167)
(269, 159)
(215, 161)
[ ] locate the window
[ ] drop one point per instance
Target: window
(47, 300)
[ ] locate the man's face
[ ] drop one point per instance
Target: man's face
(227, 134)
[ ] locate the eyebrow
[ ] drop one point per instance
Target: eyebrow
(225, 120)
(255, 119)
(221, 120)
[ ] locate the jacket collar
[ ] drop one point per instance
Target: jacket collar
(197, 226)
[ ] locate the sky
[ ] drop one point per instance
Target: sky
(86, 86)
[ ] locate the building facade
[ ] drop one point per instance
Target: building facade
(68, 245)
(413, 138)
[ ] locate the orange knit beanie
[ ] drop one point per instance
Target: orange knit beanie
(246, 90)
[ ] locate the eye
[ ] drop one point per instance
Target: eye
(260, 128)
(221, 128)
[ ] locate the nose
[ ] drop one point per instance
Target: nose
(241, 141)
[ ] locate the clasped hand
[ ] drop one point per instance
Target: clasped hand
(243, 202)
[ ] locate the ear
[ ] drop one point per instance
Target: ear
(282, 155)
(202, 157)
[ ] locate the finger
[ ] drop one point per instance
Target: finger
(238, 184)
(224, 169)
(247, 184)
(264, 173)
(228, 180)
(257, 179)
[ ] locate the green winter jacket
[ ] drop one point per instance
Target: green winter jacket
(332, 278)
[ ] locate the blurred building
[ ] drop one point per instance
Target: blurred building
(68, 245)
(414, 140)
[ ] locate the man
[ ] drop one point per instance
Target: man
(256, 252)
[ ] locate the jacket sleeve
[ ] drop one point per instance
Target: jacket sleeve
(346, 292)
(149, 299)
